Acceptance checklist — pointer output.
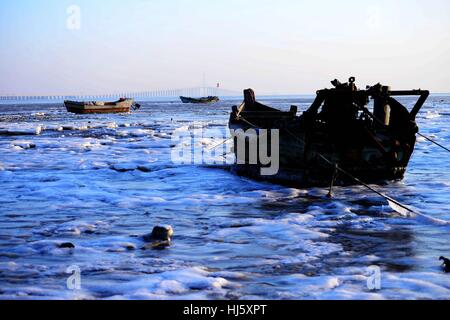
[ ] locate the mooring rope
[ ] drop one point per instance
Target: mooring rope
(226, 140)
(389, 199)
(220, 144)
(432, 141)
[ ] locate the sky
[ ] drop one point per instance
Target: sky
(275, 47)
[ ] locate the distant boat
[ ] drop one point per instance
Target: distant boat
(203, 100)
(123, 105)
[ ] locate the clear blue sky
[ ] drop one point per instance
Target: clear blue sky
(284, 46)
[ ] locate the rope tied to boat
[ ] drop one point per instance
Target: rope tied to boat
(434, 142)
(220, 144)
(405, 211)
(231, 138)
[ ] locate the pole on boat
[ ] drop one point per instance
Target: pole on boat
(333, 180)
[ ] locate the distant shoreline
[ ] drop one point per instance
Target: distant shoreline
(39, 100)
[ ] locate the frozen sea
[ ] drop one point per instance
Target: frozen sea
(101, 182)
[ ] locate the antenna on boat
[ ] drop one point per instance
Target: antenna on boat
(204, 85)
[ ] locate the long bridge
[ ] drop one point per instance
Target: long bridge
(144, 95)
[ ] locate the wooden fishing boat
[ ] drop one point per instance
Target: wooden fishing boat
(337, 132)
(203, 100)
(123, 105)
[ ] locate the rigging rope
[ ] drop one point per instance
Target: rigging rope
(220, 144)
(432, 141)
(231, 138)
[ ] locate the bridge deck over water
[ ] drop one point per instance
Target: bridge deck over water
(168, 93)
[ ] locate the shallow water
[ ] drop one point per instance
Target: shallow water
(103, 181)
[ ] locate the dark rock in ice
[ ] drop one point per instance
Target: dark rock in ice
(13, 133)
(66, 245)
(159, 239)
(144, 169)
(25, 146)
(160, 234)
(122, 247)
(157, 245)
(122, 169)
(446, 264)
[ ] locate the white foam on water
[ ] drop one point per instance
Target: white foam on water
(189, 283)
(76, 228)
(353, 285)
(101, 182)
(299, 238)
(423, 218)
(432, 114)
(21, 129)
(135, 132)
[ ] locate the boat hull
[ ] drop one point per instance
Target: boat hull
(99, 108)
(205, 100)
(310, 147)
(301, 166)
